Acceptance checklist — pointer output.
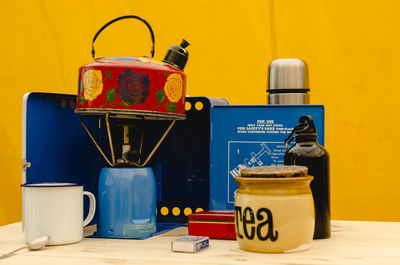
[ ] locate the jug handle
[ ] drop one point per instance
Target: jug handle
(119, 18)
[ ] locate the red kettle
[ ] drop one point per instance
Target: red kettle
(138, 86)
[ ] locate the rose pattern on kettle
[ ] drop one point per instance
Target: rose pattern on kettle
(93, 83)
(91, 87)
(173, 88)
(133, 87)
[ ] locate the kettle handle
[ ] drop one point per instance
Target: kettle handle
(119, 18)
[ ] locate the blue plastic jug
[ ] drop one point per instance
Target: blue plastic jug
(127, 203)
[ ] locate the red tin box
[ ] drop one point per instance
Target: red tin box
(214, 224)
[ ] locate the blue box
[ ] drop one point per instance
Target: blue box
(195, 164)
(56, 148)
(247, 136)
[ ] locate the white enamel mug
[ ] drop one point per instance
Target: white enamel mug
(55, 210)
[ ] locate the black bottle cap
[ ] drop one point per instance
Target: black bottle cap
(304, 131)
(177, 55)
(306, 125)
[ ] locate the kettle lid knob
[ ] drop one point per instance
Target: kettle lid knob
(177, 55)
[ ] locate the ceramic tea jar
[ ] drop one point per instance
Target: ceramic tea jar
(274, 209)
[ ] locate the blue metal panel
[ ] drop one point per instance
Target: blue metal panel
(248, 136)
(182, 162)
(57, 146)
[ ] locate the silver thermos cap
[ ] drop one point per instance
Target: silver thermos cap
(288, 82)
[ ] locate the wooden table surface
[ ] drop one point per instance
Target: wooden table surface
(352, 242)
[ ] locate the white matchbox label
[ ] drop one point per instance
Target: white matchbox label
(190, 244)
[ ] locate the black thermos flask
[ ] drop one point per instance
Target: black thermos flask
(307, 152)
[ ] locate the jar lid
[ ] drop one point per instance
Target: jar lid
(274, 172)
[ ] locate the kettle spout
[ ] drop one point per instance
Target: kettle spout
(177, 55)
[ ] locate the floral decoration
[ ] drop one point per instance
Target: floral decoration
(92, 84)
(133, 87)
(172, 91)
(173, 87)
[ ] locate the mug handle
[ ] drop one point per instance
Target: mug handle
(92, 208)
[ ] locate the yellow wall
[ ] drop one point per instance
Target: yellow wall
(352, 48)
